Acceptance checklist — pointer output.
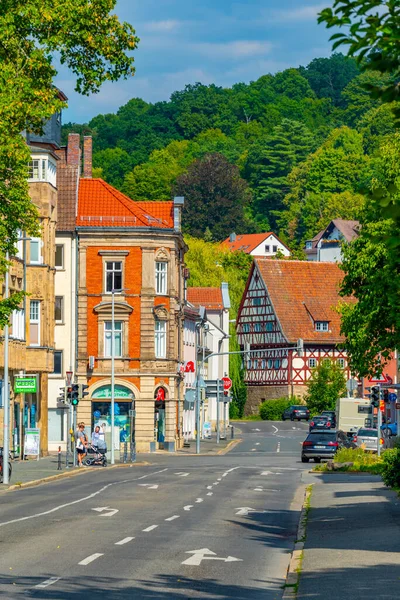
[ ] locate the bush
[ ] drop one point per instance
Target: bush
(272, 410)
(234, 412)
(391, 467)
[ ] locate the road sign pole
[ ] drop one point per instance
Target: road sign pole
(379, 422)
(218, 383)
(225, 403)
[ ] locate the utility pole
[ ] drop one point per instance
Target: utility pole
(217, 411)
(6, 430)
(379, 421)
(112, 375)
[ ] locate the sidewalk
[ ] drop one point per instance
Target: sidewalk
(210, 446)
(353, 540)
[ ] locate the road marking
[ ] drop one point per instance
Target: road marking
(199, 555)
(46, 583)
(90, 559)
(182, 474)
(267, 473)
(93, 495)
(278, 449)
(209, 494)
(219, 479)
(253, 449)
(209, 487)
(258, 443)
(258, 489)
(150, 528)
(124, 541)
(245, 510)
(216, 483)
(276, 429)
(173, 518)
(198, 500)
(150, 486)
(188, 507)
(258, 429)
(112, 511)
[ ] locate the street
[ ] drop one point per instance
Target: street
(183, 527)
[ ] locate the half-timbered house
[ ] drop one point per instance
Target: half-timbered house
(285, 301)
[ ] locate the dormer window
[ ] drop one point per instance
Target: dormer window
(42, 168)
(321, 325)
(308, 245)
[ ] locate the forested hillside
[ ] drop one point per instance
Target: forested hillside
(287, 152)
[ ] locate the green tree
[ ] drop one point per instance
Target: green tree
(358, 99)
(113, 162)
(372, 37)
(88, 39)
(326, 385)
(329, 76)
(215, 197)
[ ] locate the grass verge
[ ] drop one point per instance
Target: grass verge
(362, 462)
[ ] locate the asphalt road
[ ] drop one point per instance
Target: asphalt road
(185, 527)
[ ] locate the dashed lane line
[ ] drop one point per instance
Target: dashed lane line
(90, 559)
(124, 541)
(150, 528)
(210, 494)
(173, 518)
(45, 584)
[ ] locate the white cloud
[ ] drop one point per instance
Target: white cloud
(234, 50)
(161, 26)
(304, 13)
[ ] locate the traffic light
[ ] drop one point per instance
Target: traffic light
(73, 393)
(62, 400)
(82, 392)
(375, 396)
(386, 395)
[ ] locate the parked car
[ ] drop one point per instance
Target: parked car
(331, 416)
(367, 437)
(321, 422)
(391, 429)
(324, 444)
(296, 412)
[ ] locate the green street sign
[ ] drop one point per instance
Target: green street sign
(25, 385)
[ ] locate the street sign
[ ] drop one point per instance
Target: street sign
(227, 383)
(381, 379)
(212, 388)
(398, 405)
(32, 442)
(392, 397)
(25, 385)
(351, 385)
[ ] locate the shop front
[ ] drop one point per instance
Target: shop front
(124, 416)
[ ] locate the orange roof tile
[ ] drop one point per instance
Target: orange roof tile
(208, 297)
(101, 205)
(249, 241)
(303, 292)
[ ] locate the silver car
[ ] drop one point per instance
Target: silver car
(367, 438)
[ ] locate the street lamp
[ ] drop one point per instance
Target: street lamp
(113, 292)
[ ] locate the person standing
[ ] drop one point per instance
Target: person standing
(81, 442)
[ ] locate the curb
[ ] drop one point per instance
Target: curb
(229, 447)
(294, 568)
(66, 475)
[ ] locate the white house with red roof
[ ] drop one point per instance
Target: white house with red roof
(257, 244)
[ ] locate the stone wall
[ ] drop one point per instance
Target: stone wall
(258, 394)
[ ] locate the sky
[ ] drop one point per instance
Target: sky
(210, 41)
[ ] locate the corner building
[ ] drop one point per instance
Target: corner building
(130, 255)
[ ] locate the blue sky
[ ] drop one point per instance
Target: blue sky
(212, 41)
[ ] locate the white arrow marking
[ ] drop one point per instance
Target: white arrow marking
(198, 500)
(245, 510)
(112, 511)
(276, 429)
(150, 486)
(199, 555)
(182, 474)
(188, 507)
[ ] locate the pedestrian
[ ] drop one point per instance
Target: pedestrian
(96, 435)
(81, 442)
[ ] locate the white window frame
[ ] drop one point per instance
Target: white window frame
(42, 168)
(309, 245)
(267, 248)
(17, 324)
(321, 325)
(38, 241)
(341, 362)
(312, 363)
(36, 306)
(59, 321)
(113, 271)
(160, 339)
(59, 267)
(108, 333)
(161, 274)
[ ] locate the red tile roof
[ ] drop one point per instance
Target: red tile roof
(303, 292)
(101, 205)
(208, 297)
(249, 241)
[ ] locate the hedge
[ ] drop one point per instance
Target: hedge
(272, 410)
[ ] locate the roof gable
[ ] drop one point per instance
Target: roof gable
(248, 242)
(101, 205)
(210, 298)
(301, 293)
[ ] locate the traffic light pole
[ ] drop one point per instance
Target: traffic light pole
(217, 411)
(379, 424)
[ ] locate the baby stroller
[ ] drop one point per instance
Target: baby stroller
(96, 455)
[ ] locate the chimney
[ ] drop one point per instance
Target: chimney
(73, 150)
(179, 201)
(87, 156)
(232, 237)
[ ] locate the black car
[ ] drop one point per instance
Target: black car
(331, 414)
(298, 411)
(321, 422)
(324, 444)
